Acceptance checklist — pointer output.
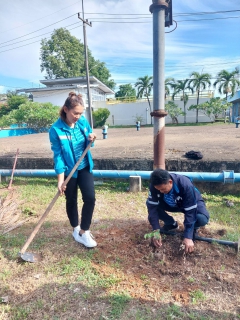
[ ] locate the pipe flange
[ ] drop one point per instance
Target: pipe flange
(159, 113)
(158, 4)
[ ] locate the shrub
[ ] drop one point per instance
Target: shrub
(32, 114)
(100, 116)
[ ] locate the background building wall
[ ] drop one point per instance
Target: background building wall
(129, 113)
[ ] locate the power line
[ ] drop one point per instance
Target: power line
(33, 42)
(39, 29)
(11, 44)
(139, 14)
(39, 18)
(133, 22)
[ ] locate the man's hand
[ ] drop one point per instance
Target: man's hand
(157, 242)
(189, 245)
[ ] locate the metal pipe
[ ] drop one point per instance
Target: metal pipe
(158, 12)
(224, 177)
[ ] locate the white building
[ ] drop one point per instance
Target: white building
(57, 90)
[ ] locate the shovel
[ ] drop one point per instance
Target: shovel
(35, 257)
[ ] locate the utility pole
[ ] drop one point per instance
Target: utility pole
(159, 9)
(86, 65)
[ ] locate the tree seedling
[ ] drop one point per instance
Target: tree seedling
(154, 234)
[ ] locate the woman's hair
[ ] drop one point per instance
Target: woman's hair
(159, 176)
(71, 102)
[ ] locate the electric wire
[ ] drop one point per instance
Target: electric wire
(133, 22)
(39, 29)
(11, 44)
(40, 18)
(32, 42)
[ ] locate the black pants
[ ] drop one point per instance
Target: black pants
(202, 214)
(85, 182)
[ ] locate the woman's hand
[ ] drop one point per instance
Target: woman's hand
(61, 188)
(92, 136)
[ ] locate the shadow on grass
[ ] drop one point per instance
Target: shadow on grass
(77, 300)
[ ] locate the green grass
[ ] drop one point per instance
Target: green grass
(220, 213)
(118, 303)
(82, 269)
(98, 278)
(197, 296)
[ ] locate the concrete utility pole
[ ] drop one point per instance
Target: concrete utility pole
(158, 9)
(86, 65)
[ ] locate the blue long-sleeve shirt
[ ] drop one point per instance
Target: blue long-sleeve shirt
(187, 198)
(60, 136)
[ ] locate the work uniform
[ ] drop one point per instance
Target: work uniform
(183, 197)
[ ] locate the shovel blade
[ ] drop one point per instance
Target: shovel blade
(31, 257)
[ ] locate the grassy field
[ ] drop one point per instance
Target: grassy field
(124, 277)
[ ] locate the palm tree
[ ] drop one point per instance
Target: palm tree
(199, 82)
(144, 86)
(182, 86)
(168, 84)
(227, 81)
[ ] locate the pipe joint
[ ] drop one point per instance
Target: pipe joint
(228, 176)
(159, 113)
(158, 4)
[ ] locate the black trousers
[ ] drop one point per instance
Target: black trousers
(202, 214)
(85, 182)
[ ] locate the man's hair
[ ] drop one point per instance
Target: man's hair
(159, 176)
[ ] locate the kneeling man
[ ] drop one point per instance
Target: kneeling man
(175, 193)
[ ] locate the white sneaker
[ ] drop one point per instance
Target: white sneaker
(86, 238)
(75, 233)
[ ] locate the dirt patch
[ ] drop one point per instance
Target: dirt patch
(215, 142)
(72, 282)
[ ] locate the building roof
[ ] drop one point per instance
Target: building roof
(235, 98)
(70, 83)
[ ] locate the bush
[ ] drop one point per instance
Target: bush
(100, 116)
(32, 114)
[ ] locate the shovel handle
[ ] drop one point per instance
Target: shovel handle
(43, 217)
(14, 166)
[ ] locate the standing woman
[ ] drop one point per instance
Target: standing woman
(69, 136)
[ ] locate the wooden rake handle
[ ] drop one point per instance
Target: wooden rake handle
(43, 217)
(14, 166)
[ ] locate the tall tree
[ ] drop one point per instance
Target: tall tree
(144, 86)
(181, 86)
(199, 82)
(227, 81)
(62, 56)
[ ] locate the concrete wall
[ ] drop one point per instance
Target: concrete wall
(127, 113)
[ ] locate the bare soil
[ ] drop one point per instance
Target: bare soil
(216, 142)
(202, 285)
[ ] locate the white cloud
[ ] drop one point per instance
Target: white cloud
(192, 43)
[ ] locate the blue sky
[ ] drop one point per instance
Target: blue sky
(121, 36)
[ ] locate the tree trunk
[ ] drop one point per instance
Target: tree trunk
(149, 108)
(184, 106)
(198, 92)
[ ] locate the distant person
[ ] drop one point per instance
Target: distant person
(175, 193)
(69, 136)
